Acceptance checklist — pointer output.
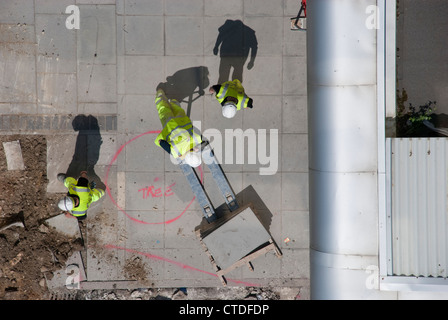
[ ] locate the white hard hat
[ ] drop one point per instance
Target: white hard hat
(66, 204)
(229, 110)
(193, 159)
(61, 177)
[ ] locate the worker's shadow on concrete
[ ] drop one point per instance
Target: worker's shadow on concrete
(87, 149)
(235, 41)
(186, 85)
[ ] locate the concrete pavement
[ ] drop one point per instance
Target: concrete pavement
(109, 69)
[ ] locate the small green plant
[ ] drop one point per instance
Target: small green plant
(410, 120)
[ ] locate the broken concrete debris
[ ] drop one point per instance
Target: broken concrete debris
(13, 153)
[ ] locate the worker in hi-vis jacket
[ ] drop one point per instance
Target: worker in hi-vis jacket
(177, 137)
(81, 194)
(232, 97)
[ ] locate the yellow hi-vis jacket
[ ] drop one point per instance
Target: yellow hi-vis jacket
(85, 194)
(179, 133)
(233, 89)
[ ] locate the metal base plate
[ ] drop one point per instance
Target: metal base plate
(236, 238)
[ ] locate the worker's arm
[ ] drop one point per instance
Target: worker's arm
(215, 89)
(97, 194)
(69, 182)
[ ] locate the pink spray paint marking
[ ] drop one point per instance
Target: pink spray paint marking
(176, 263)
(148, 255)
(156, 192)
(116, 204)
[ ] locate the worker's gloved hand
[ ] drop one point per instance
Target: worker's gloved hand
(250, 104)
(92, 185)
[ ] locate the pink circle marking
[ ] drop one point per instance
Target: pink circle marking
(112, 198)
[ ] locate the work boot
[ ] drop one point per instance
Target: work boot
(61, 177)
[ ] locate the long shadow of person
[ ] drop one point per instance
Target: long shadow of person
(182, 85)
(87, 149)
(236, 40)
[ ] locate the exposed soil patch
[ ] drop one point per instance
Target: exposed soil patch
(134, 269)
(30, 253)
